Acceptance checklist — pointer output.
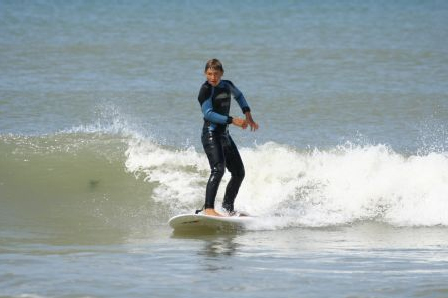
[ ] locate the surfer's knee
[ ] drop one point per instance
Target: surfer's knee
(239, 175)
(218, 170)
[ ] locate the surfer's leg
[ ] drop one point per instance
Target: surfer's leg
(213, 149)
(235, 166)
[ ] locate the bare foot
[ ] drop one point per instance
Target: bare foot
(212, 212)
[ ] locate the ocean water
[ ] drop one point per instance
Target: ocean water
(100, 146)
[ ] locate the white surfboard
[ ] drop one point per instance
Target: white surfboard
(198, 221)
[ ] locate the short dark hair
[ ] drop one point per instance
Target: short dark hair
(214, 64)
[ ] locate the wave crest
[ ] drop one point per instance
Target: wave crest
(308, 188)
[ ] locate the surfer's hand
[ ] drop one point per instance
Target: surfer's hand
(239, 122)
(250, 121)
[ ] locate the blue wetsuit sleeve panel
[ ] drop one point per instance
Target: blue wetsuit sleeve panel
(210, 115)
(239, 97)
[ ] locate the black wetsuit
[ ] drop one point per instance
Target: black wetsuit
(218, 145)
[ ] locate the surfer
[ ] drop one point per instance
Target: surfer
(214, 97)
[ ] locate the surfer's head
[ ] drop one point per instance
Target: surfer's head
(213, 71)
(214, 64)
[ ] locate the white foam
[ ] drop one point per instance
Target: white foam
(179, 174)
(313, 188)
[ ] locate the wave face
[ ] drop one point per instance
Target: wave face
(124, 179)
(307, 188)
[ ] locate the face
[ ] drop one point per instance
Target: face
(213, 76)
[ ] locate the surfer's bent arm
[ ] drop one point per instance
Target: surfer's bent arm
(205, 100)
(239, 97)
(212, 116)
